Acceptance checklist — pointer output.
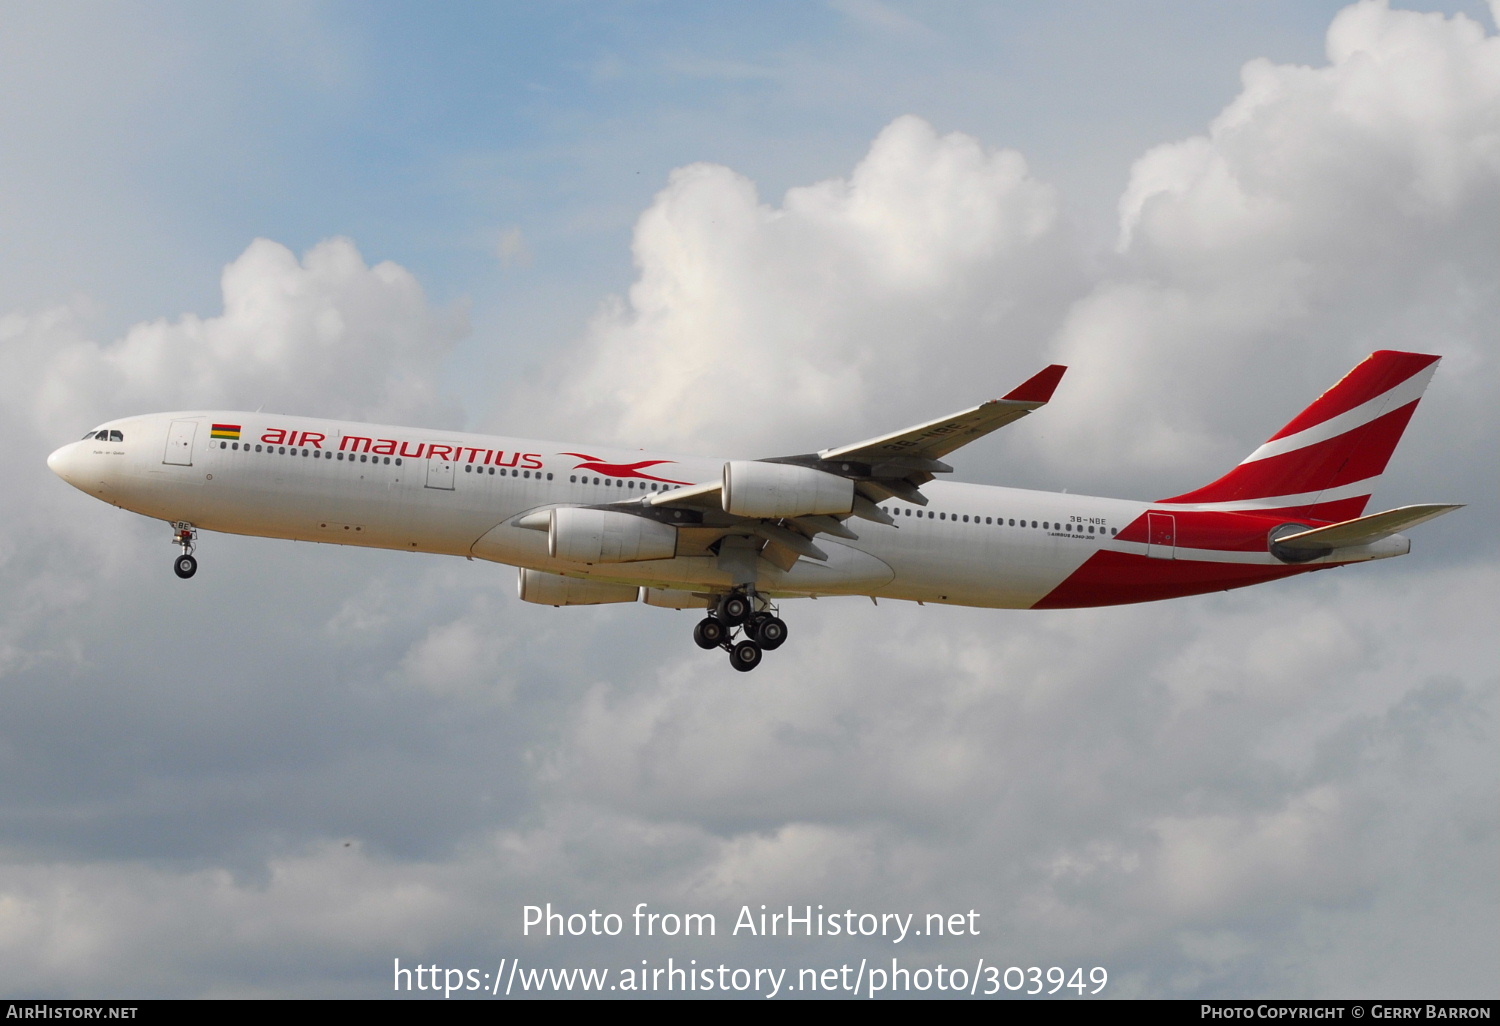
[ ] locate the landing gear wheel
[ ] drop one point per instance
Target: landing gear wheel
(734, 610)
(709, 633)
(769, 631)
(744, 656)
(185, 566)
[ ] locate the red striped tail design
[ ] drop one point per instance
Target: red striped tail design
(1324, 464)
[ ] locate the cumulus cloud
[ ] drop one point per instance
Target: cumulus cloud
(326, 334)
(938, 265)
(321, 335)
(1327, 212)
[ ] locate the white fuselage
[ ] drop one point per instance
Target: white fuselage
(462, 494)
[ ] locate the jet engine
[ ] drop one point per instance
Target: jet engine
(756, 489)
(555, 590)
(581, 535)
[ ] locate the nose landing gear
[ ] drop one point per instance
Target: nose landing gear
(759, 630)
(186, 535)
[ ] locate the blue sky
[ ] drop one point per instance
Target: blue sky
(151, 142)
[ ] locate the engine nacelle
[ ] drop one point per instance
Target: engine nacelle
(581, 535)
(555, 590)
(756, 489)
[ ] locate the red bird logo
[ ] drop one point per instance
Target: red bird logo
(621, 469)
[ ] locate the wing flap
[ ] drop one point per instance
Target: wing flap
(790, 540)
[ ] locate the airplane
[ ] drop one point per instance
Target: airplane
(587, 525)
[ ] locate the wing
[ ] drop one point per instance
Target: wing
(894, 465)
(940, 437)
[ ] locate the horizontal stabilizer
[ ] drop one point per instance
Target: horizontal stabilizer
(1365, 530)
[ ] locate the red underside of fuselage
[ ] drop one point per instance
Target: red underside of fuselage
(1118, 578)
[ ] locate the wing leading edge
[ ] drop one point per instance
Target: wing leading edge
(895, 465)
(938, 438)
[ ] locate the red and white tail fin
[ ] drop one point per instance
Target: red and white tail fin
(1324, 464)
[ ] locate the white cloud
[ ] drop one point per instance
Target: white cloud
(324, 335)
(1327, 212)
(937, 263)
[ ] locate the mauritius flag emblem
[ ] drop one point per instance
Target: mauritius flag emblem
(229, 431)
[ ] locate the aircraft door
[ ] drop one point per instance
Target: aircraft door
(180, 443)
(1161, 536)
(440, 474)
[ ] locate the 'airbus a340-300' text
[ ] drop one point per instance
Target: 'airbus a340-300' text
(588, 525)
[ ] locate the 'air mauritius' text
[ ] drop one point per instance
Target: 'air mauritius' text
(411, 450)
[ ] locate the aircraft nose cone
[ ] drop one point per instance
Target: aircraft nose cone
(65, 463)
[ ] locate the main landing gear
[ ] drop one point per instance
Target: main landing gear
(186, 535)
(760, 629)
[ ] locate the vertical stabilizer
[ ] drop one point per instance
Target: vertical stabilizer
(1325, 463)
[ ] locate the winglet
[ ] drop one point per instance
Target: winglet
(1039, 387)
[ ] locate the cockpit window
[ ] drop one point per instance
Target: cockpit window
(105, 436)
(117, 436)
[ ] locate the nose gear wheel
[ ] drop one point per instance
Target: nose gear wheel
(185, 535)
